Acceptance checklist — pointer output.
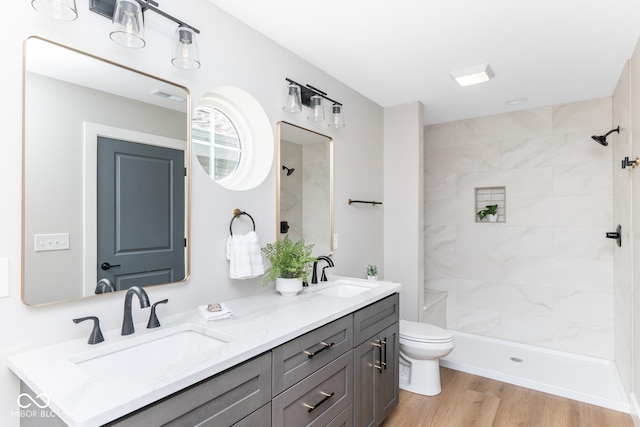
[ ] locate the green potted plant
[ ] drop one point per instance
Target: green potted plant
(490, 212)
(372, 272)
(290, 265)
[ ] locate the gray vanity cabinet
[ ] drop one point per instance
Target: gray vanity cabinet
(221, 400)
(376, 362)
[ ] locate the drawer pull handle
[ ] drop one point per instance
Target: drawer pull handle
(326, 397)
(383, 354)
(325, 346)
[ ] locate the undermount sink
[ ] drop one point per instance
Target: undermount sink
(150, 355)
(345, 289)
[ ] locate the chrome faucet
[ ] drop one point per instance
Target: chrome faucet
(127, 321)
(323, 278)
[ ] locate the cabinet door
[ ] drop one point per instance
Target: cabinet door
(373, 318)
(387, 379)
(365, 357)
(376, 382)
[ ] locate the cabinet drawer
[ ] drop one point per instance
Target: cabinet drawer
(260, 418)
(221, 400)
(298, 358)
(373, 318)
(319, 398)
(345, 419)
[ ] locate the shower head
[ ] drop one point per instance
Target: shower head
(602, 139)
(289, 170)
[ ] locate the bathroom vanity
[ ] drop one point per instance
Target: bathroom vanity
(328, 356)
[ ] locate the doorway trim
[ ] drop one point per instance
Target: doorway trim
(91, 132)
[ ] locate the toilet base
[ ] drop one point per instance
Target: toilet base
(423, 377)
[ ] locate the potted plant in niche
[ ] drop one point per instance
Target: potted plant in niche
(490, 212)
(290, 265)
(372, 272)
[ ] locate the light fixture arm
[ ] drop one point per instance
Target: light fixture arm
(307, 91)
(106, 8)
(151, 5)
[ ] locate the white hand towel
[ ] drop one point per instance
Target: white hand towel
(244, 255)
(221, 312)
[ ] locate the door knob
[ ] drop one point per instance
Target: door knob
(616, 235)
(105, 266)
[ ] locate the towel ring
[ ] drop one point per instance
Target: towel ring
(236, 214)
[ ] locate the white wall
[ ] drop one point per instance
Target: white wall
(403, 204)
(232, 54)
(545, 276)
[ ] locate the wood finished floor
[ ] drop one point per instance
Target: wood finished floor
(467, 400)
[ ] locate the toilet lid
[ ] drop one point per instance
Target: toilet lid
(423, 332)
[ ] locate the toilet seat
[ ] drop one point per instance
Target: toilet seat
(423, 333)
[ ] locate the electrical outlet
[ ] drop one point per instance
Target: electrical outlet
(51, 242)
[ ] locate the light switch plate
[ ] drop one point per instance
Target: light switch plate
(51, 242)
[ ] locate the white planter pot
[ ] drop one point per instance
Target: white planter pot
(493, 218)
(372, 277)
(288, 287)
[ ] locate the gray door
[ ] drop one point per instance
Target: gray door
(141, 236)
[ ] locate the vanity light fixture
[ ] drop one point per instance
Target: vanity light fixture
(472, 75)
(63, 10)
(309, 96)
(128, 25)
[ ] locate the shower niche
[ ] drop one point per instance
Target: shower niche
(490, 204)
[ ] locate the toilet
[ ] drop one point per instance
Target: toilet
(421, 345)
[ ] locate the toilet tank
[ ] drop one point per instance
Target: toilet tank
(434, 311)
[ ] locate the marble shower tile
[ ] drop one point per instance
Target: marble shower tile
(439, 265)
(475, 321)
(560, 211)
(529, 328)
(590, 339)
(479, 294)
(582, 116)
(440, 135)
(477, 266)
(583, 307)
(530, 152)
(448, 212)
(529, 182)
(527, 299)
(582, 243)
(471, 158)
(582, 179)
(440, 187)
(439, 238)
(500, 127)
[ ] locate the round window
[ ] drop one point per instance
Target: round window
(232, 138)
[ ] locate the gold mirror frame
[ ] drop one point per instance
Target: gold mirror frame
(308, 137)
(117, 69)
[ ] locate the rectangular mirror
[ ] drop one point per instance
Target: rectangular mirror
(305, 187)
(106, 151)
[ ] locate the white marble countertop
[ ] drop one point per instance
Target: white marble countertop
(258, 324)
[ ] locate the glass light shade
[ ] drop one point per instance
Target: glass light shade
(128, 26)
(317, 110)
(64, 10)
(337, 118)
(185, 49)
(294, 99)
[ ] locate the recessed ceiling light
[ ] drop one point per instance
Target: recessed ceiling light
(516, 101)
(472, 75)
